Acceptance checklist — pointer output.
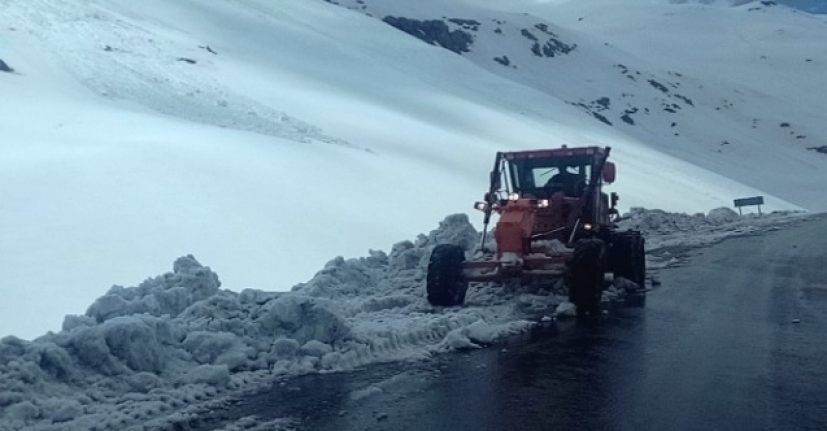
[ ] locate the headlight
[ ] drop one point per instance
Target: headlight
(514, 196)
(588, 226)
(482, 206)
(542, 203)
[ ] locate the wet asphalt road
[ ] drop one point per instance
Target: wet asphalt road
(736, 339)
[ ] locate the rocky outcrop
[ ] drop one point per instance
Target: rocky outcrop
(551, 47)
(435, 32)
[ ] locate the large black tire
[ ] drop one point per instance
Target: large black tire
(586, 273)
(445, 284)
(628, 260)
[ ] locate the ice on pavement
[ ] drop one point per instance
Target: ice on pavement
(156, 353)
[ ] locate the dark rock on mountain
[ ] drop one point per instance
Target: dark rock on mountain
(5, 67)
(536, 50)
(603, 102)
(626, 72)
(627, 116)
(529, 35)
(658, 85)
(685, 99)
(466, 24)
(602, 118)
(544, 28)
(551, 48)
(555, 47)
(208, 49)
(434, 32)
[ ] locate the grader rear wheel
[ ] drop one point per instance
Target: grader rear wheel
(586, 276)
(628, 260)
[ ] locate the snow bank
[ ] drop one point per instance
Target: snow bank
(660, 222)
(662, 228)
(157, 351)
(169, 294)
(178, 339)
(667, 231)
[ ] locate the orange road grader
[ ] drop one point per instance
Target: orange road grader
(554, 222)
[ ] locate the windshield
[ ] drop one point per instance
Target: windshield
(539, 177)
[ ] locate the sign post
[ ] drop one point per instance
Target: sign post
(746, 202)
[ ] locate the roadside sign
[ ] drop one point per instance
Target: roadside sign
(747, 202)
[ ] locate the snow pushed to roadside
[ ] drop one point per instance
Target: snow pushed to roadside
(170, 349)
(155, 354)
(667, 233)
(668, 229)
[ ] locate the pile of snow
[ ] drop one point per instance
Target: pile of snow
(667, 232)
(659, 222)
(141, 354)
(162, 352)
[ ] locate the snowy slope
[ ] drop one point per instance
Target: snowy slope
(263, 137)
(737, 90)
(813, 6)
(762, 69)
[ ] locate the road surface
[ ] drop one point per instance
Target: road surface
(736, 339)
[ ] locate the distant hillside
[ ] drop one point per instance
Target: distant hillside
(813, 6)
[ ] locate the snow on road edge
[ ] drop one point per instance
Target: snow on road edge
(177, 345)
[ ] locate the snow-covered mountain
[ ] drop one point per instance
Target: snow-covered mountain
(266, 136)
(812, 6)
(737, 90)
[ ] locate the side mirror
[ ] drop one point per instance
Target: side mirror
(495, 180)
(609, 172)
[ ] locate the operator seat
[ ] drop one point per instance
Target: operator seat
(572, 185)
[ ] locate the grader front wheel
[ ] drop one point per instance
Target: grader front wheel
(445, 284)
